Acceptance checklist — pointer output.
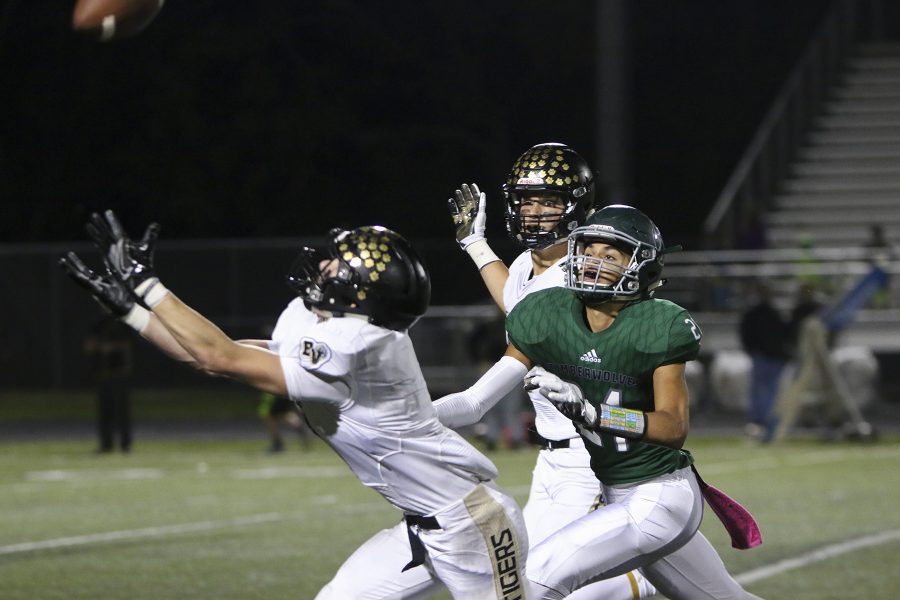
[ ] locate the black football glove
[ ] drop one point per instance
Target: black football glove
(130, 262)
(106, 290)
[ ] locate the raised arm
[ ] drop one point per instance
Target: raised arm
(215, 352)
(469, 406)
(468, 209)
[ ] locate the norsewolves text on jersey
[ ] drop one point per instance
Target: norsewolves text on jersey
(591, 373)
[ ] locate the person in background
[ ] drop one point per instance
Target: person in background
(882, 254)
(817, 382)
(764, 336)
(109, 350)
(275, 410)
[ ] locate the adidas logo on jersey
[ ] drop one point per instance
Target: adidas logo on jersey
(591, 356)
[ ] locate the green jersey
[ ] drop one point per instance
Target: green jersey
(614, 366)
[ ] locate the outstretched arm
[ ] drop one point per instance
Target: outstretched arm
(469, 406)
(157, 334)
(118, 300)
(131, 265)
(215, 352)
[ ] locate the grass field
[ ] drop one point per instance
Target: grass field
(219, 519)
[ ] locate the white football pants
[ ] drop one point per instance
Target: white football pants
(652, 525)
(564, 489)
(478, 554)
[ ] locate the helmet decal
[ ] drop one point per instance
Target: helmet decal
(371, 255)
(378, 274)
(547, 170)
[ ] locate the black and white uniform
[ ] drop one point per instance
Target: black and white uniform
(362, 391)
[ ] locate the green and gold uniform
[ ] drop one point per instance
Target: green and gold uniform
(614, 367)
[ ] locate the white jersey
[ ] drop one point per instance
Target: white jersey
(521, 283)
(363, 392)
(549, 422)
(292, 319)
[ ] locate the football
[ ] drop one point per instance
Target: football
(107, 20)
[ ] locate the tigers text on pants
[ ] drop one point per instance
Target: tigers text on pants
(478, 553)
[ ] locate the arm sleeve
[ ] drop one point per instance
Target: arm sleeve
(467, 407)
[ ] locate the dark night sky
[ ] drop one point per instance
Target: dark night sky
(285, 118)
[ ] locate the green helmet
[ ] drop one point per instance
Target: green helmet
(632, 232)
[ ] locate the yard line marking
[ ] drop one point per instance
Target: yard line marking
(761, 463)
(818, 555)
(838, 455)
(75, 475)
(285, 472)
(164, 530)
(723, 467)
(128, 534)
(93, 475)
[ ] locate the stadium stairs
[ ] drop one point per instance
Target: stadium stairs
(847, 177)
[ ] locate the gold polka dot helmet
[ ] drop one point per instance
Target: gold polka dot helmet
(378, 274)
(549, 168)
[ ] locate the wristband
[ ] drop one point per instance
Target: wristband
(622, 422)
(151, 292)
(137, 318)
(481, 253)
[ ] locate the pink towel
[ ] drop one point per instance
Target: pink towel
(737, 520)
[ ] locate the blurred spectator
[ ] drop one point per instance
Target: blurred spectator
(764, 336)
(878, 242)
(882, 253)
(108, 348)
(818, 384)
(755, 235)
(275, 410)
(808, 265)
(806, 303)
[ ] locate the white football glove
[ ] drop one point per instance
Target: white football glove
(565, 396)
(469, 212)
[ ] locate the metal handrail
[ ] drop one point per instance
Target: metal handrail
(752, 186)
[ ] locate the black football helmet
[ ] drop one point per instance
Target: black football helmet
(379, 275)
(632, 232)
(549, 168)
